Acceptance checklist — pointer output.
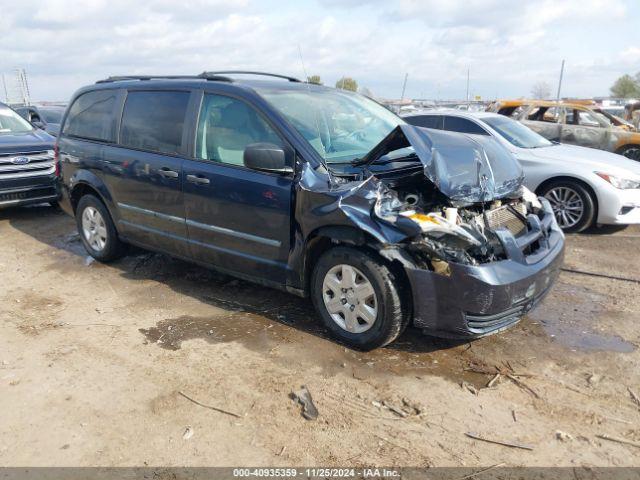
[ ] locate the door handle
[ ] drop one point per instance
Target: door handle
(198, 180)
(166, 173)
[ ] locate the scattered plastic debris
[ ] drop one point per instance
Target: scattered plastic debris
(303, 397)
(188, 433)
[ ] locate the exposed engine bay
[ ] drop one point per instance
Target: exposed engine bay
(460, 234)
(454, 197)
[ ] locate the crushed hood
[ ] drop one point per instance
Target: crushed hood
(464, 168)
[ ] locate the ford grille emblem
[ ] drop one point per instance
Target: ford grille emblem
(20, 160)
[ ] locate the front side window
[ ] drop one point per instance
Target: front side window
(341, 126)
(11, 122)
(226, 127)
(463, 125)
(154, 121)
(92, 116)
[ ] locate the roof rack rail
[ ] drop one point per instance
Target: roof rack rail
(248, 72)
(123, 78)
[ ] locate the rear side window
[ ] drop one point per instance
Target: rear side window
(462, 125)
(426, 121)
(154, 121)
(92, 116)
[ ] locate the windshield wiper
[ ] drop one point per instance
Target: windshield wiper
(406, 158)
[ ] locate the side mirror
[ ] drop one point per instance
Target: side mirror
(267, 157)
(37, 121)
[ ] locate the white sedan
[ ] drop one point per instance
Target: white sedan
(585, 186)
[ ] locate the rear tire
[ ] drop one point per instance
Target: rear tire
(97, 231)
(631, 151)
(358, 298)
(573, 205)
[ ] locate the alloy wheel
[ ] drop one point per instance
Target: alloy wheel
(567, 206)
(350, 298)
(94, 229)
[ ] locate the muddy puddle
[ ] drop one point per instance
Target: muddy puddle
(297, 339)
(573, 317)
(286, 329)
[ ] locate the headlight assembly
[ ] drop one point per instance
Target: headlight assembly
(618, 182)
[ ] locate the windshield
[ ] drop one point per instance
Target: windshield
(516, 133)
(11, 122)
(51, 115)
(341, 126)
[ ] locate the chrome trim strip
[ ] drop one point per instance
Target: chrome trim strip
(26, 166)
(151, 213)
(24, 174)
(32, 159)
(202, 244)
(204, 226)
(234, 233)
(46, 198)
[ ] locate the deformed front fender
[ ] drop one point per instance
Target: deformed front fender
(341, 212)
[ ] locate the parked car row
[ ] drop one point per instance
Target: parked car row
(47, 117)
(328, 195)
(27, 167)
(585, 186)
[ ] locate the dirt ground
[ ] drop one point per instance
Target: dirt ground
(93, 359)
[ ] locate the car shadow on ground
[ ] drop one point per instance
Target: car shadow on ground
(52, 227)
(604, 229)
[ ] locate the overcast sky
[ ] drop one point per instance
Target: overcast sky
(508, 45)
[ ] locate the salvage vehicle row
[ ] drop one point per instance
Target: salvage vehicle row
(585, 186)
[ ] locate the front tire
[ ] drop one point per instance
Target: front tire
(358, 298)
(573, 205)
(97, 231)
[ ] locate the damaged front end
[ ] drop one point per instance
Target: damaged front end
(478, 248)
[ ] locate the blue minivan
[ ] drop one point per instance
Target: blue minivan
(317, 191)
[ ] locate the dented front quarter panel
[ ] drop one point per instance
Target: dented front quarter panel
(443, 303)
(321, 203)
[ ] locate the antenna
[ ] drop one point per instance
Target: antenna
(304, 70)
(315, 117)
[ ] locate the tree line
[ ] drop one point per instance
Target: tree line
(345, 83)
(626, 86)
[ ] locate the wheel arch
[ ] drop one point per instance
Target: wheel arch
(619, 150)
(85, 182)
(543, 185)
(327, 237)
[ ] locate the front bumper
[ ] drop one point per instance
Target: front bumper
(618, 207)
(474, 301)
(29, 191)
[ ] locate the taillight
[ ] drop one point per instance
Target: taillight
(56, 160)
